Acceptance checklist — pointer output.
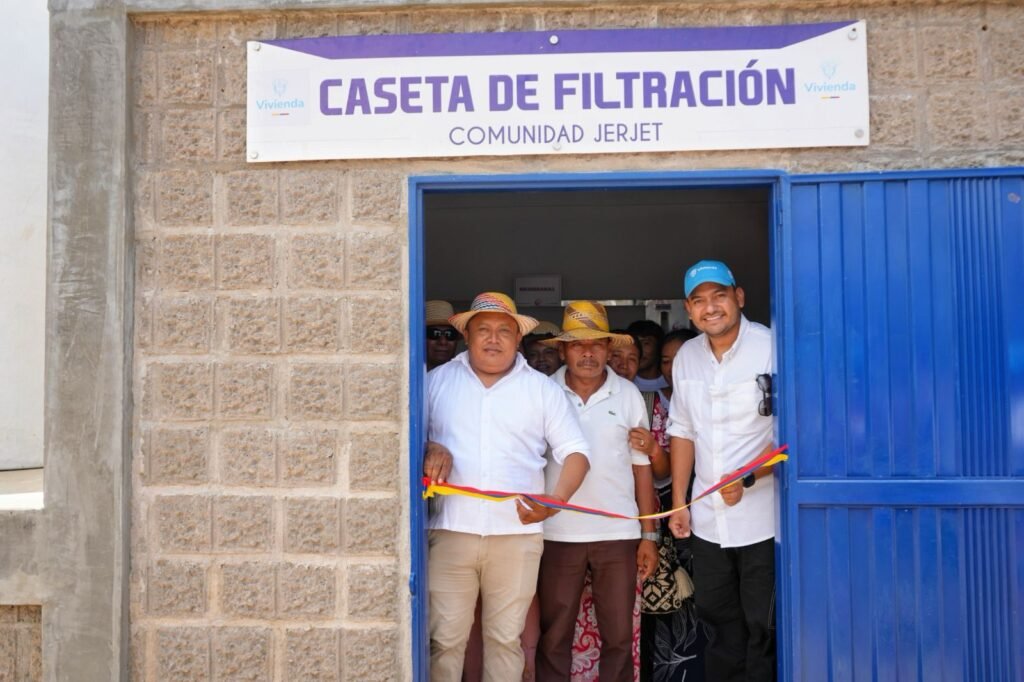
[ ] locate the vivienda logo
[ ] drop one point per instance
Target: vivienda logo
(829, 88)
(279, 104)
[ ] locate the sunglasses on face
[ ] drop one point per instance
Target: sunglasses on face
(764, 384)
(438, 333)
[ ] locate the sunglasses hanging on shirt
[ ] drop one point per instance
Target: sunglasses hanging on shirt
(438, 333)
(764, 384)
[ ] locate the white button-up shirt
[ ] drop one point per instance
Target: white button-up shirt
(714, 404)
(497, 437)
(606, 418)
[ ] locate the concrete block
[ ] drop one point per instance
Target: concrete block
(369, 526)
(306, 592)
(372, 391)
(1005, 47)
(231, 135)
(624, 16)
(316, 262)
(375, 260)
(966, 16)
(186, 77)
(251, 197)
(245, 390)
(184, 198)
(147, 262)
(188, 32)
(309, 457)
(243, 523)
(313, 324)
(950, 54)
(566, 19)
(245, 261)
(143, 322)
(370, 654)
(309, 25)
(183, 324)
(188, 135)
(247, 589)
(29, 663)
(373, 461)
(177, 588)
(309, 197)
(8, 652)
(434, 21)
(182, 523)
(30, 613)
(251, 325)
(366, 24)
(312, 655)
(146, 137)
(315, 392)
(181, 390)
(145, 81)
(137, 655)
(231, 78)
(377, 196)
(894, 121)
(177, 456)
(242, 654)
(1008, 112)
(372, 592)
(248, 457)
(182, 654)
(892, 57)
(959, 119)
(376, 324)
(311, 525)
(186, 263)
(8, 614)
(144, 204)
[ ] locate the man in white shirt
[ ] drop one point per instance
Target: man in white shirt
(619, 481)
(719, 419)
(490, 418)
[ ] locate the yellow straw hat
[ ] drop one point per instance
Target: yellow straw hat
(585, 320)
(493, 302)
(437, 313)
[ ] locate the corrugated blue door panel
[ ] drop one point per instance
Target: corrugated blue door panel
(901, 349)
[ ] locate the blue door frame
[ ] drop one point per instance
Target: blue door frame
(901, 514)
(418, 187)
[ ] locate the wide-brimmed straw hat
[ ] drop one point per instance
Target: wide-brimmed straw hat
(493, 302)
(437, 313)
(585, 320)
(546, 328)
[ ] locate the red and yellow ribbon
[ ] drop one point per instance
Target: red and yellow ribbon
(766, 459)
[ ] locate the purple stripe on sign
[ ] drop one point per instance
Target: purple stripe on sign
(568, 42)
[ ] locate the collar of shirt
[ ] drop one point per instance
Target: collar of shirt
(706, 344)
(608, 388)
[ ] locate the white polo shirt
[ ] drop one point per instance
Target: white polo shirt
(606, 418)
(497, 437)
(714, 404)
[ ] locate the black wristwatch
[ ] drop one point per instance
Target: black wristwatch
(749, 480)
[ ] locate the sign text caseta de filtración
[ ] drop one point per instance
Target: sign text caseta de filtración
(630, 90)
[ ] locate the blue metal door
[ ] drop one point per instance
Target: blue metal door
(901, 355)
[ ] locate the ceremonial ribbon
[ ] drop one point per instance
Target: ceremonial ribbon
(764, 460)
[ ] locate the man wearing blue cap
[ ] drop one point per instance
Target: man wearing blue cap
(719, 419)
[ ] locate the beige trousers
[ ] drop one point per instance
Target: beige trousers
(502, 569)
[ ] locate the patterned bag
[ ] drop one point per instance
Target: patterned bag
(669, 586)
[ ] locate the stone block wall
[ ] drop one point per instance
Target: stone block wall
(270, 525)
(21, 644)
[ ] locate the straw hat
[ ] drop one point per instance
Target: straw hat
(585, 320)
(493, 302)
(438, 312)
(545, 327)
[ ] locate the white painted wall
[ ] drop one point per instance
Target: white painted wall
(24, 72)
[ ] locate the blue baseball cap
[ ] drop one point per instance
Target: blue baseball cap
(707, 271)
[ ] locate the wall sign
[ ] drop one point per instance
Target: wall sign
(558, 92)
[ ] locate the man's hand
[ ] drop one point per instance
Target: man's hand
(732, 493)
(533, 512)
(679, 523)
(437, 462)
(646, 559)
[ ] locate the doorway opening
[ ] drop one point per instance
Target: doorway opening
(622, 239)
